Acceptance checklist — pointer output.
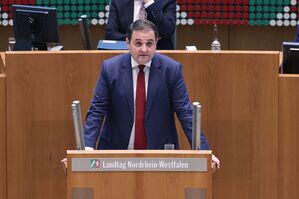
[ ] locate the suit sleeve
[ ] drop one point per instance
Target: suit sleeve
(113, 31)
(98, 109)
(183, 109)
(297, 34)
(163, 17)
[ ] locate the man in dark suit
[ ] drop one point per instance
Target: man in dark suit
(161, 12)
(115, 107)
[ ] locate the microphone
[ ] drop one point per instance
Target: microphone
(78, 125)
(196, 125)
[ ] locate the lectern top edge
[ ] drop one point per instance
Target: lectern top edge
(74, 152)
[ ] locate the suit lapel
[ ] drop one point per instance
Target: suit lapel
(127, 81)
(153, 84)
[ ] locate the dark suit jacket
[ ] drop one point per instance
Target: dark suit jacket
(162, 13)
(297, 34)
(113, 99)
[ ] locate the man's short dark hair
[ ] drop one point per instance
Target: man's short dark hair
(140, 25)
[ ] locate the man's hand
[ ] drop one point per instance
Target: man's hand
(64, 160)
(215, 163)
(64, 164)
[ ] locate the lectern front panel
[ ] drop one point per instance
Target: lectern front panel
(139, 175)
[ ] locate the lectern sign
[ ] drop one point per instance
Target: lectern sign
(139, 164)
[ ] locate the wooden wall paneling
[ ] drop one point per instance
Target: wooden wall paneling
(230, 37)
(238, 91)
(139, 185)
(3, 136)
(250, 38)
(40, 89)
(4, 34)
(201, 37)
(2, 62)
(288, 136)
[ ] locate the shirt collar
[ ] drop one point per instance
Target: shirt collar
(135, 64)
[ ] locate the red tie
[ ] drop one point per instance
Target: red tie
(140, 137)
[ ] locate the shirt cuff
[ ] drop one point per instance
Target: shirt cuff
(149, 3)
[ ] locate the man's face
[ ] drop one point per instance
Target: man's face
(143, 46)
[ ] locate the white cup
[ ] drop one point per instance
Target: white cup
(168, 146)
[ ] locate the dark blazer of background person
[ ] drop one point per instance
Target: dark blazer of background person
(113, 98)
(297, 34)
(162, 13)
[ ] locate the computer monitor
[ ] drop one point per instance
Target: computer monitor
(34, 27)
(294, 60)
(290, 63)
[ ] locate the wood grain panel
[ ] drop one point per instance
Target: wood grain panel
(41, 88)
(139, 184)
(288, 136)
(259, 37)
(3, 136)
(238, 91)
(230, 37)
(2, 62)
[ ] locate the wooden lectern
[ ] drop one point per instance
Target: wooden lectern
(144, 174)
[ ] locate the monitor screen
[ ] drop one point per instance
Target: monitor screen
(34, 27)
(290, 63)
(294, 60)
